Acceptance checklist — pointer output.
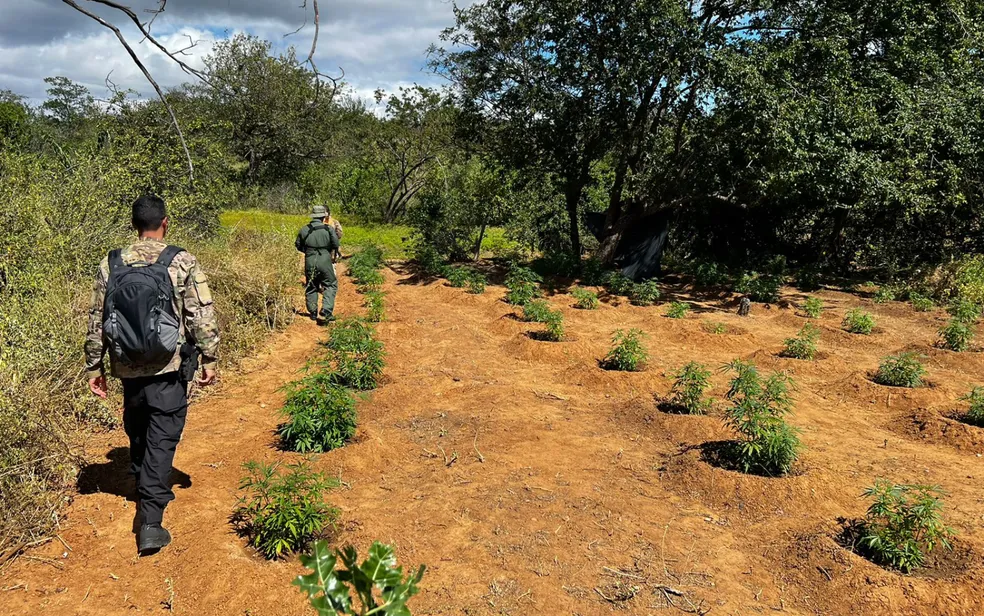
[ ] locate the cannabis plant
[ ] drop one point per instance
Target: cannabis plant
(355, 358)
(458, 277)
(903, 525)
(858, 321)
(645, 293)
(690, 384)
(902, 370)
(628, 352)
(477, 283)
(957, 335)
(536, 311)
(964, 310)
(283, 509)
(523, 285)
(678, 310)
(714, 328)
(618, 283)
(586, 300)
(884, 295)
(554, 320)
(375, 306)
(804, 345)
(975, 415)
(762, 288)
(813, 307)
(921, 303)
(378, 583)
(319, 414)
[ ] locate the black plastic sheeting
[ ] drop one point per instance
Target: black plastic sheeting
(639, 253)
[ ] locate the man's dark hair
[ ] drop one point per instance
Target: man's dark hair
(148, 213)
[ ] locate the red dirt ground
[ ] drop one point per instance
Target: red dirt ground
(530, 481)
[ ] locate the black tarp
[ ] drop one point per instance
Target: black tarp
(640, 251)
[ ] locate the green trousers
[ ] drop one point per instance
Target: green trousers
(321, 280)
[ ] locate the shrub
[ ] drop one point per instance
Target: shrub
(964, 310)
(320, 414)
(592, 271)
(709, 274)
(283, 512)
(476, 283)
(585, 299)
(458, 277)
(627, 353)
(429, 260)
(554, 320)
(813, 307)
(975, 415)
(536, 311)
(902, 370)
(355, 357)
(368, 280)
(690, 383)
(330, 590)
(884, 295)
(369, 258)
(804, 345)
(375, 306)
(645, 293)
(858, 321)
(921, 303)
(808, 279)
(956, 335)
(767, 444)
(523, 285)
(762, 288)
(618, 283)
(678, 310)
(903, 525)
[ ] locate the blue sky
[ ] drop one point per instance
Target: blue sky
(379, 43)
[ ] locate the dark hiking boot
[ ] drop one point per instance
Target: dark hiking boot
(151, 538)
(326, 320)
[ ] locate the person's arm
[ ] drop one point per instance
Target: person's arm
(333, 244)
(201, 324)
(94, 348)
(299, 242)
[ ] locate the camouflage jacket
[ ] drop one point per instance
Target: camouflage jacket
(333, 222)
(192, 302)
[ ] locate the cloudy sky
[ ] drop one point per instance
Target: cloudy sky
(379, 43)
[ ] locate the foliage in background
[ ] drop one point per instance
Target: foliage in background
(975, 414)
(320, 414)
(628, 352)
(902, 370)
(903, 525)
(921, 303)
(283, 509)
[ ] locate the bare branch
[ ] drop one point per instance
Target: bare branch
(143, 69)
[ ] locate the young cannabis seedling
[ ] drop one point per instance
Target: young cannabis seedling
(813, 307)
(477, 283)
(628, 353)
(964, 310)
(536, 311)
(902, 370)
(678, 310)
(766, 444)
(689, 386)
(368, 280)
(762, 288)
(283, 512)
(355, 356)
(903, 525)
(975, 415)
(585, 299)
(645, 293)
(957, 335)
(429, 261)
(921, 303)
(804, 345)
(709, 274)
(375, 306)
(320, 415)
(618, 283)
(523, 285)
(554, 320)
(714, 328)
(858, 321)
(378, 583)
(884, 295)
(458, 277)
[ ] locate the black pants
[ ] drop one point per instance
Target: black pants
(154, 411)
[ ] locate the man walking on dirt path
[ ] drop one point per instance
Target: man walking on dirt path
(318, 240)
(152, 313)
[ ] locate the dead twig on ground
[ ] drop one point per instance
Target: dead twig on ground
(481, 458)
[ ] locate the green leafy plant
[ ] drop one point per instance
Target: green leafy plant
(618, 283)
(709, 274)
(592, 271)
(628, 352)
(858, 321)
(964, 310)
(714, 328)
(804, 345)
(645, 293)
(885, 294)
(523, 285)
(477, 282)
(429, 260)
(369, 258)
(921, 303)
(903, 525)
(368, 279)
(975, 415)
(378, 583)
(374, 303)
(766, 444)
(808, 279)
(554, 321)
(458, 277)
(689, 386)
(536, 311)
(678, 310)
(320, 414)
(957, 335)
(762, 288)
(283, 512)
(355, 357)
(585, 299)
(902, 370)
(813, 307)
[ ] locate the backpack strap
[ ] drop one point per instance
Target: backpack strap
(116, 259)
(167, 255)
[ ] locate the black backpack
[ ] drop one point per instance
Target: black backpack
(140, 327)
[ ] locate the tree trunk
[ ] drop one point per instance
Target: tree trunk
(478, 244)
(573, 198)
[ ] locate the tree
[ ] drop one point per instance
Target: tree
(68, 102)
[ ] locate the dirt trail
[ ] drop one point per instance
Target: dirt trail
(531, 481)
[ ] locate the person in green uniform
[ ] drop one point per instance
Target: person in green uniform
(319, 243)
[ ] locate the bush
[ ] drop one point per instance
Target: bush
(429, 260)
(523, 285)
(476, 283)
(330, 590)
(369, 258)
(283, 512)
(678, 310)
(709, 274)
(458, 277)
(964, 310)
(762, 288)
(858, 321)
(617, 283)
(902, 370)
(767, 444)
(536, 311)
(374, 303)
(554, 320)
(975, 415)
(956, 335)
(645, 293)
(368, 280)
(804, 345)
(808, 279)
(884, 295)
(585, 299)
(592, 272)
(813, 307)
(903, 525)
(690, 383)
(355, 357)
(628, 353)
(320, 415)
(921, 303)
